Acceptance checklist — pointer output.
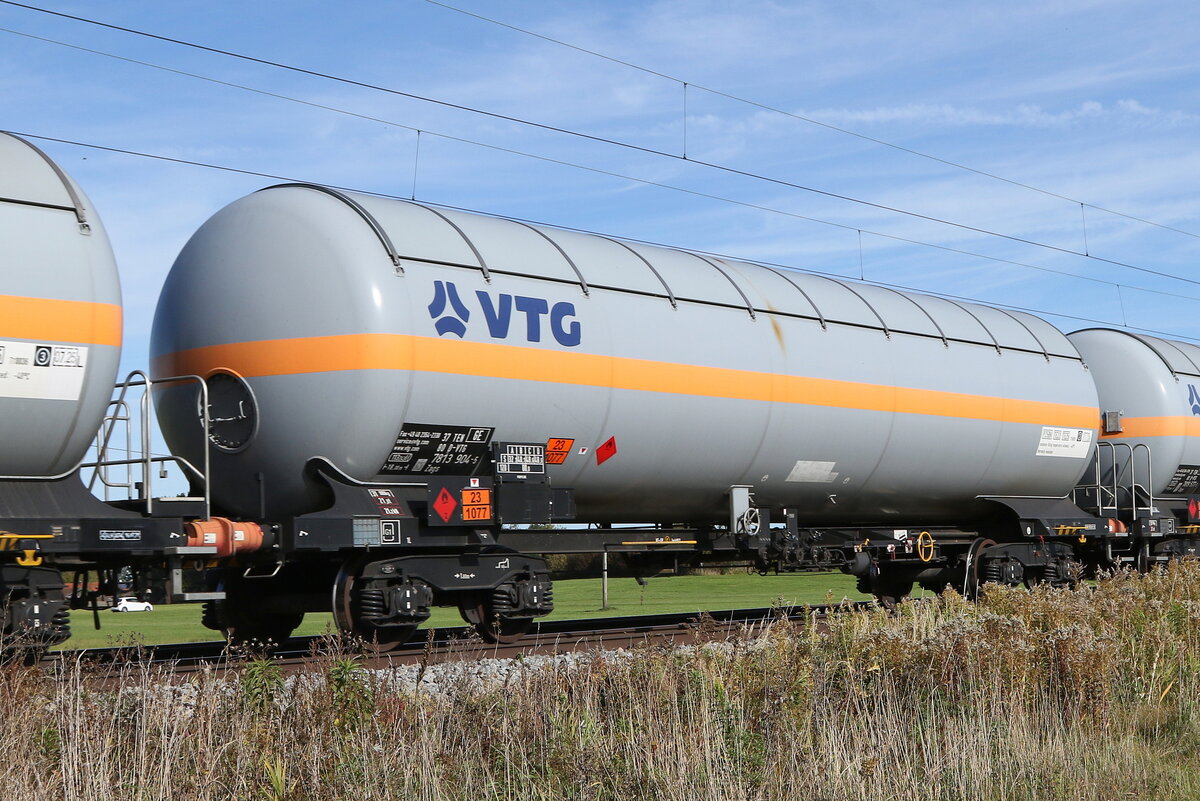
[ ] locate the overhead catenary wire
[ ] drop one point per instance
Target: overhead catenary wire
(807, 119)
(289, 179)
(595, 170)
(608, 141)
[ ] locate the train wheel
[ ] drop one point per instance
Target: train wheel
(972, 581)
(347, 614)
(242, 626)
(493, 627)
(891, 594)
(270, 631)
(1144, 561)
(889, 590)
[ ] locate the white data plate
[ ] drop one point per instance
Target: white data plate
(43, 372)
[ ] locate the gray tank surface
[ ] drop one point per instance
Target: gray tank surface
(396, 339)
(1154, 384)
(60, 315)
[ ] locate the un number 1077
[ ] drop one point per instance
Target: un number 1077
(482, 512)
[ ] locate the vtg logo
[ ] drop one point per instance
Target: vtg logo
(451, 315)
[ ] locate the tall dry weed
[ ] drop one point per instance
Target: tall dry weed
(1041, 694)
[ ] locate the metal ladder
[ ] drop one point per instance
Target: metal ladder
(141, 465)
(1116, 497)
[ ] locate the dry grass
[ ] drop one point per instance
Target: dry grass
(1026, 695)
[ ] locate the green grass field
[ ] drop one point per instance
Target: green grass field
(573, 599)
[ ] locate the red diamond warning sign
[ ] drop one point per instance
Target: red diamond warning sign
(606, 451)
(444, 505)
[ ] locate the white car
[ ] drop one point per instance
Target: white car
(132, 605)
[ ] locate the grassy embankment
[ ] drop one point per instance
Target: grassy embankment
(578, 598)
(1050, 694)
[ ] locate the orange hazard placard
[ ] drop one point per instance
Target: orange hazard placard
(557, 449)
(477, 513)
(476, 497)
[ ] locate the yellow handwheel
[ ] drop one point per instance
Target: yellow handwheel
(925, 546)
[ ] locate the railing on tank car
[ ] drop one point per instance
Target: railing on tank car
(119, 415)
(1108, 493)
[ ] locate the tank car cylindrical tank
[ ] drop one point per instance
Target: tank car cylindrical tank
(368, 330)
(60, 315)
(1154, 386)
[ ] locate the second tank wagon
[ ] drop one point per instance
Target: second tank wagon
(60, 315)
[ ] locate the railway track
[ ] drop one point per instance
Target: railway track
(458, 643)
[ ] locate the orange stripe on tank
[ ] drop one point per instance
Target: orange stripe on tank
(46, 320)
(1172, 426)
(434, 355)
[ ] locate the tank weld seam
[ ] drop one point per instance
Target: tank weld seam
(583, 284)
(379, 231)
(482, 266)
(941, 333)
(645, 261)
(800, 289)
(1036, 338)
(728, 277)
(975, 317)
(852, 291)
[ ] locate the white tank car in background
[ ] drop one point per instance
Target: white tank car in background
(396, 340)
(60, 315)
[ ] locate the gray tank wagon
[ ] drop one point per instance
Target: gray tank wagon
(349, 325)
(1149, 449)
(60, 315)
(429, 355)
(60, 343)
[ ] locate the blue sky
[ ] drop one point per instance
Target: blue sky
(1093, 101)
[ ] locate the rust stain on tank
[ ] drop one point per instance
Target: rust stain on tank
(776, 328)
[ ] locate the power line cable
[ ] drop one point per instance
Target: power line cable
(595, 170)
(287, 179)
(809, 120)
(613, 142)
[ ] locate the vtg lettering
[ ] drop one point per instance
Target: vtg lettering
(451, 315)
(498, 316)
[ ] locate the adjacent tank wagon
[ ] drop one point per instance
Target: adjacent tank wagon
(1149, 450)
(60, 315)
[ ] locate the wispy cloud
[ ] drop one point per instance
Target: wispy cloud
(1128, 112)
